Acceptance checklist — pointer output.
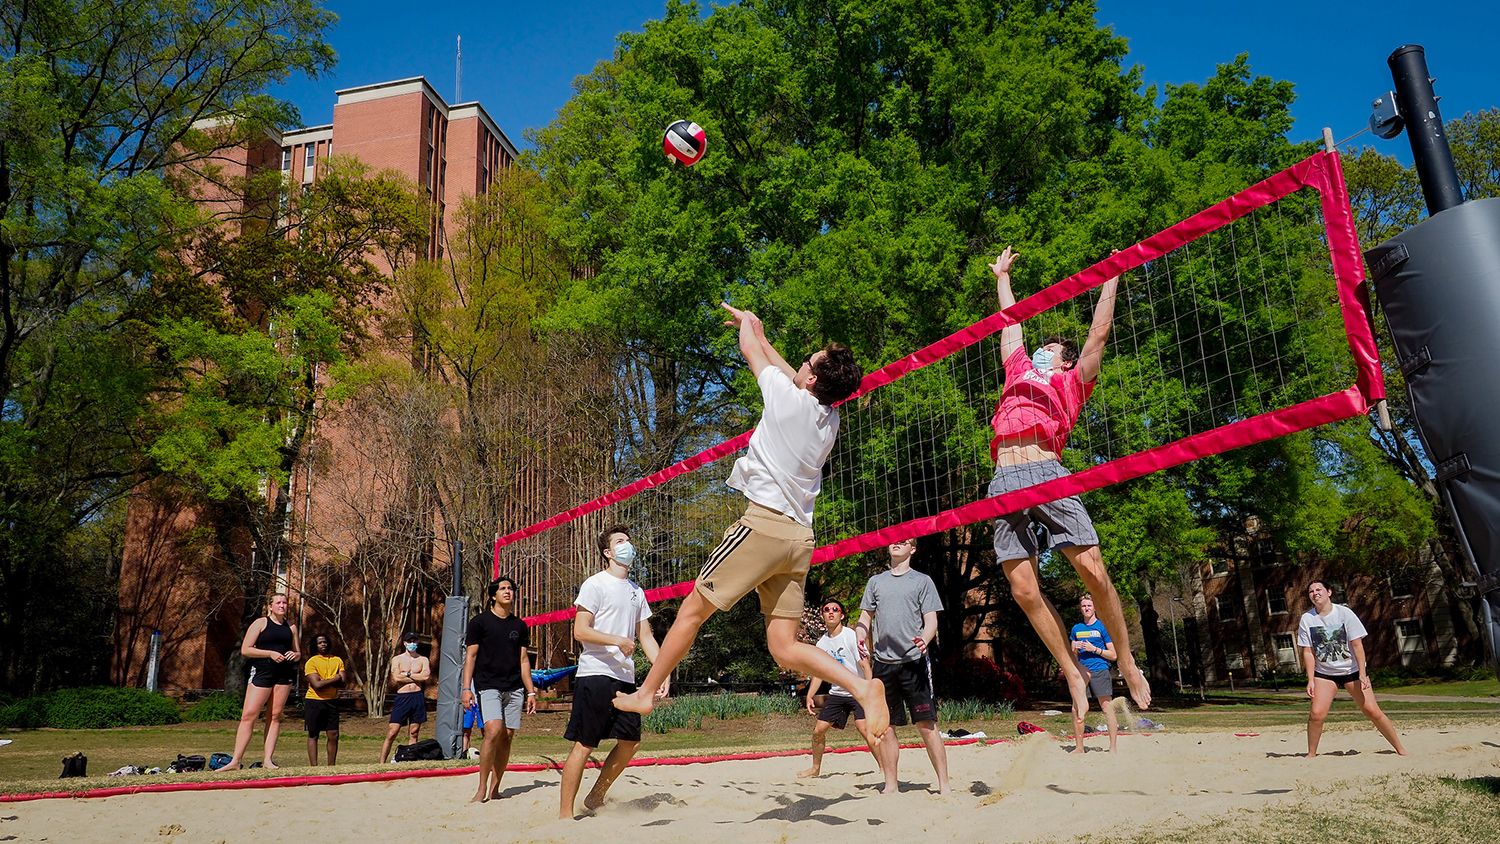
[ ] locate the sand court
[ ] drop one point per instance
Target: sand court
(1006, 791)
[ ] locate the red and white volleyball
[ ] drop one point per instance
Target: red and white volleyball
(685, 142)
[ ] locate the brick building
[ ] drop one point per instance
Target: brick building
(1236, 616)
(449, 152)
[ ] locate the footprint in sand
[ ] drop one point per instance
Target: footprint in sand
(172, 829)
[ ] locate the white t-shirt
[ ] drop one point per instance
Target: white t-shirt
(619, 606)
(844, 648)
(1329, 637)
(783, 467)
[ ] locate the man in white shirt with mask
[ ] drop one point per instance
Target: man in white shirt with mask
(612, 615)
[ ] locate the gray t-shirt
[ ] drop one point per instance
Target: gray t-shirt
(898, 603)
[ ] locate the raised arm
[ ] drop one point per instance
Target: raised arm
(1010, 335)
(1092, 355)
(758, 352)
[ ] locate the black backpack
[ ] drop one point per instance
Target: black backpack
(76, 765)
(196, 762)
(422, 751)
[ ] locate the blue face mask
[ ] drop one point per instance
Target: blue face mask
(625, 554)
(1042, 360)
(411, 647)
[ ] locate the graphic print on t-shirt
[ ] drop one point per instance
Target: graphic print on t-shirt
(1330, 644)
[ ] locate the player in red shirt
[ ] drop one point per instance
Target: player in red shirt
(1043, 395)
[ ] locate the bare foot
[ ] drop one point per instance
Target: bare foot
(479, 797)
(269, 764)
(810, 772)
(891, 788)
(1140, 690)
(642, 701)
(232, 766)
(877, 714)
(592, 804)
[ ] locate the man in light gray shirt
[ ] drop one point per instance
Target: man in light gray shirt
(903, 604)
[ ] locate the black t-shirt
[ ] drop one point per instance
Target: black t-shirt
(497, 665)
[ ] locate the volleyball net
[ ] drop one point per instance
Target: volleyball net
(1245, 322)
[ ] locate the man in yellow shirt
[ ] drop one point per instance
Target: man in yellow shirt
(325, 675)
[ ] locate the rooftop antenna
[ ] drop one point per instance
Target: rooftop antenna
(458, 73)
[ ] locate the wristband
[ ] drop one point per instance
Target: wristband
(531, 694)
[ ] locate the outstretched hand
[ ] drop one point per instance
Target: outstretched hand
(738, 316)
(1003, 263)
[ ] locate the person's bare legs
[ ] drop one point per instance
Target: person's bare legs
(494, 755)
(937, 753)
(1089, 564)
(572, 777)
(889, 754)
(1024, 588)
(333, 746)
(614, 765)
(1079, 723)
(255, 701)
(312, 751)
(802, 658)
(1323, 692)
(819, 737)
(279, 694)
(695, 610)
(1372, 710)
(390, 740)
(864, 732)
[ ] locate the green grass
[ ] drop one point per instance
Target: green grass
(1455, 688)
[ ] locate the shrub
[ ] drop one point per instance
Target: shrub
(219, 706)
(960, 677)
(969, 709)
(103, 706)
(26, 714)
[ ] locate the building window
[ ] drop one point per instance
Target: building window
(1286, 648)
(1218, 567)
(1409, 638)
(1234, 662)
(286, 159)
(1276, 602)
(1227, 607)
(1403, 587)
(309, 161)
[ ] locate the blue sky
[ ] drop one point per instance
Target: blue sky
(520, 59)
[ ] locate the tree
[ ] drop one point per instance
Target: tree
(100, 98)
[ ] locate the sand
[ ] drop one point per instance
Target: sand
(1013, 791)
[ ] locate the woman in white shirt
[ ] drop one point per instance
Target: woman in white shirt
(1333, 652)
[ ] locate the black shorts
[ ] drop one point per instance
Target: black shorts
(266, 675)
(409, 708)
(1339, 679)
(594, 717)
(320, 716)
(908, 687)
(836, 709)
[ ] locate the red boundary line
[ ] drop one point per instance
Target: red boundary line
(1320, 172)
(386, 776)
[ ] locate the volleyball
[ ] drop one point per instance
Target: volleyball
(684, 142)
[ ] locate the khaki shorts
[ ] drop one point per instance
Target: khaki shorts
(765, 551)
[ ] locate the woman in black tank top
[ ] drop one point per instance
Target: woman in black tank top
(271, 650)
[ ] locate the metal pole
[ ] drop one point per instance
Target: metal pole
(153, 661)
(1417, 103)
(1177, 654)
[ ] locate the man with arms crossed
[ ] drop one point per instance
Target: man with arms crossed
(496, 663)
(903, 604)
(769, 549)
(409, 674)
(320, 714)
(612, 615)
(1095, 651)
(1037, 410)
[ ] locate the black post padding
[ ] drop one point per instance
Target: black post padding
(1442, 304)
(1417, 103)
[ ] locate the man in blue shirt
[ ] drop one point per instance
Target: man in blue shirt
(1095, 651)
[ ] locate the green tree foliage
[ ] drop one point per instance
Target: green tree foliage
(865, 162)
(99, 99)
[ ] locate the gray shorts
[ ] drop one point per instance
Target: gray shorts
(495, 705)
(1101, 684)
(1064, 521)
